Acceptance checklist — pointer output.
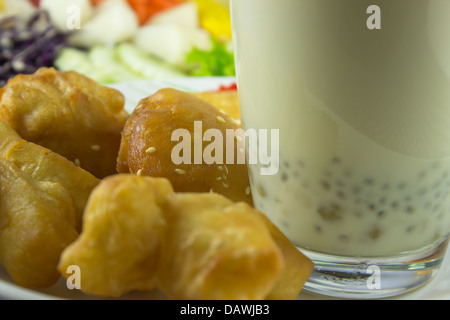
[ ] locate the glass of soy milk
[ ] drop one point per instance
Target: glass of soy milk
(359, 91)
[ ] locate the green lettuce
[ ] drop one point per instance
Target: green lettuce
(219, 61)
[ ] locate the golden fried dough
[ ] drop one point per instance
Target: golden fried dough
(230, 250)
(138, 234)
(216, 249)
(297, 269)
(226, 101)
(69, 114)
(119, 248)
(147, 147)
(41, 164)
(37, 221)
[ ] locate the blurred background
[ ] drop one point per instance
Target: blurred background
(116, 40)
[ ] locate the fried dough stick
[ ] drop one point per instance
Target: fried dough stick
(215, 249)
(41, 164)
(119, 248)
(139, 235)
(37, 221)
(69, 114)
(297, 269)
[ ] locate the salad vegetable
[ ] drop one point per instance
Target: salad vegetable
(219, 61)
(96, 2)
(215, 17)
(112, 22)
(60, 12)
(25, 46)
(117, 40)
(231, 87)
(22, 8)
(115, 64)
(145, 9)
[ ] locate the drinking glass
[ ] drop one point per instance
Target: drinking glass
(360, 94)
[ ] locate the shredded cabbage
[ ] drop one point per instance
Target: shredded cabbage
(26, 46)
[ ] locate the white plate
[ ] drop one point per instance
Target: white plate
(134, 91)
(438, 288)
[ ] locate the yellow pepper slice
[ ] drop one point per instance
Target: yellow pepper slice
(215, 17)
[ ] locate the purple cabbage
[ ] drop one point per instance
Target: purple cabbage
(27, 46)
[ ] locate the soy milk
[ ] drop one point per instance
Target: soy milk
(364, 120)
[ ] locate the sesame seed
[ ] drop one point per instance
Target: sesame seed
(180, 171)
(139, 173)
(219, 178)
(225, 185)
(248, 191)
(220, 119)
(77, 162)
(151, 150)
(220, 168)
(95, 147)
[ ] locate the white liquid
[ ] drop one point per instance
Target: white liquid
(364, 119)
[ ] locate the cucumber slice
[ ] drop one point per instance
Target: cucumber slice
(141, 62)
(99, 64)
(125, 62)
(105, 61)
(73, 59)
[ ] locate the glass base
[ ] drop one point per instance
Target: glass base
(374, 278)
